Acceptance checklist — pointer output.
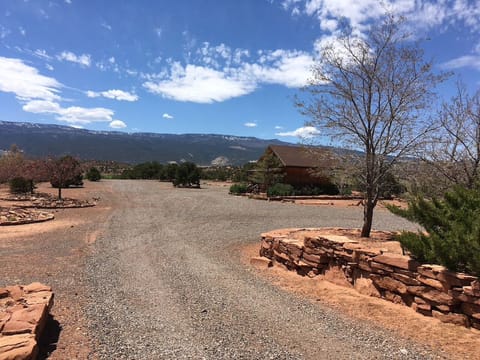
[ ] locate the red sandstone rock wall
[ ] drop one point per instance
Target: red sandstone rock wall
(430, 290)
(23, 315)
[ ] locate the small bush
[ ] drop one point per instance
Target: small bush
(93, 174)
(280, 189)
(20, 185)
(452, 226)
(238, 189)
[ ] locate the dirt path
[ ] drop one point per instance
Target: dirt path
(168, 283)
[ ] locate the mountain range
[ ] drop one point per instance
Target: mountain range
(41, 140)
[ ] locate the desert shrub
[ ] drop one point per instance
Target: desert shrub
(187, 175)
(20, 185)
(238, 189)
(280, 189)
(93, 174)
(325, 189)
(452, 226)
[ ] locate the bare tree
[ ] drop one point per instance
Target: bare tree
(370, 92)
(454, 148)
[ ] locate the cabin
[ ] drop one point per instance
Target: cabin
(302, 166)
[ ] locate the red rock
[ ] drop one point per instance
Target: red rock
(423, 309)
(395, 298)
(470, 291)
(431, 271)
(451, 318)
(15, 292)
(375, 265)
(470, 309)
(475, 285)
(316, 259)
(444, 308)
(432, 295)
(400, 261)
(26, 320)
(405, 279)
(261, 262)
(313, 251)
(388, 283)
(36, 287)
(431, 282)
(18, 347)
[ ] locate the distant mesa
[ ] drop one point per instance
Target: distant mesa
(40, 140)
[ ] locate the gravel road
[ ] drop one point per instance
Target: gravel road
(166, 282)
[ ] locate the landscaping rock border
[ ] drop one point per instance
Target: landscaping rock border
(430, 290)
(47, 201)
(24, 312)
(19, 216)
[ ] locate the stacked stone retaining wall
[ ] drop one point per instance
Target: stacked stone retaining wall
(430, 290)
(23, 315)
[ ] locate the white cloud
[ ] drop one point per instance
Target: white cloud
(113, 94)
(167, 116)
(49, 67)
(40, 53)
(278, 127)
(250, 124)
(4, 32)
(83, 60)
(158, 31)
(200, 84)
(117, 124)
(106, 26)
(420, 14)
(306, 132)
(212, 82)
(26, 82)
(68, 1)
(72, 114)
(22, 31)
(472, 61)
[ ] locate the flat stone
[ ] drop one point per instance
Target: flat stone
(340, 239)
(423, 309)
(375, 265)
(470, 291)
(386, 282)
(396, 260)
(405, 279)
(475, 285)
(432, 295)
(451, 318)
(262, 262)
(431, 282)
(36, 287)
(26, 320)
(15, 292)
(18, 347)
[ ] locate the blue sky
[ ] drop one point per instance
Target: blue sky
(197, 66)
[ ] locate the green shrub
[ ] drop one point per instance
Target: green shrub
(452, 228)
(238, 189)
(187, 174)
(20, 185)
(280, 189)
(93, 174)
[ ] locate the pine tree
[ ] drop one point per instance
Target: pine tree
(452, 230)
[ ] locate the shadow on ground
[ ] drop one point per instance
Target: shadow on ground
(49, 339)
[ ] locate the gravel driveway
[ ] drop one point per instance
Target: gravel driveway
(166, 282)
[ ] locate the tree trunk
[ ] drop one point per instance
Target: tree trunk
(59, 193)
(367, 218)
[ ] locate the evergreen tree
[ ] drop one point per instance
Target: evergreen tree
(452, 230)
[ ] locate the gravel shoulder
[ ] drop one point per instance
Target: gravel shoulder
(166, 281)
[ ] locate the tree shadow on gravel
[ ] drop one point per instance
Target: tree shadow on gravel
(49, 339)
